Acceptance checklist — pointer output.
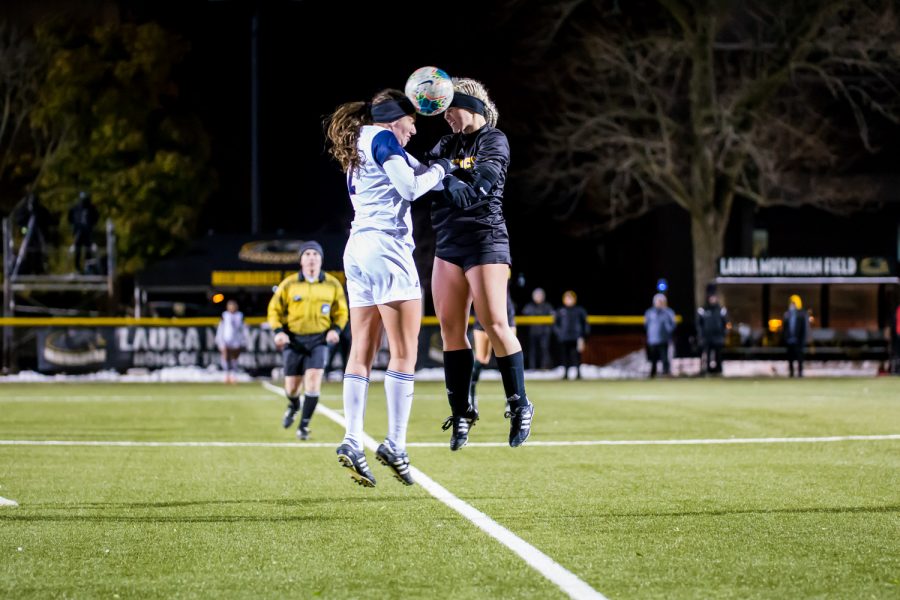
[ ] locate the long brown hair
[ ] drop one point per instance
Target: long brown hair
(344, 124)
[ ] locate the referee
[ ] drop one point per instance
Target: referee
(307, 313)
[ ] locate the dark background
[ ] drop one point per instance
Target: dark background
(316, 55)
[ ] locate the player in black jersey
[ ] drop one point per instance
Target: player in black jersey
(472, 259)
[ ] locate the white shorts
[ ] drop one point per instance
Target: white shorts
(379, 269)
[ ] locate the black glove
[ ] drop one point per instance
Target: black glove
(459, 193)
(445, 163)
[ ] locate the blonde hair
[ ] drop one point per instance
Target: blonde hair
(475, 88)
(342, 127)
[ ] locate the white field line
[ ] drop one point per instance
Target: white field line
(7, 502)
(567, 581)
(302, 445)
(137, 444)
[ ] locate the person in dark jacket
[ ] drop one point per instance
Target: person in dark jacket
(659, 322)
(83, 217)
(712, 322)
(538, 335)
(571, 328)
(795, 324)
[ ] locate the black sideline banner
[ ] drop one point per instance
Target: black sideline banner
(86, 349)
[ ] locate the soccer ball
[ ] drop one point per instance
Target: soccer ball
(430, 90)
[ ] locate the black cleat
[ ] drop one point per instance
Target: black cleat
(355, 460)
(460, 435)
(303, 433)
(519, 423)
(397, 461)
(290, 413)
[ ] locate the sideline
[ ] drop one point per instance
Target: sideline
(567, 581)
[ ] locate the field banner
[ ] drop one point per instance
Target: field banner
(85, 349)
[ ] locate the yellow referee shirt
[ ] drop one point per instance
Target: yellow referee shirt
(305, 308)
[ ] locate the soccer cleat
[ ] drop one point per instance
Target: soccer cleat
(303, 433)
(460, 435)
(519, 423)
(355, 460)
(396, 460)
(291, 412)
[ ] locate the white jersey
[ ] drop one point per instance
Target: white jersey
(385, 183)
(230, 332)
(378, 259)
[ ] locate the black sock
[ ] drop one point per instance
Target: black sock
(512, 370)
(309, 405)
(294, 401)
(458, 375)
(476, 374)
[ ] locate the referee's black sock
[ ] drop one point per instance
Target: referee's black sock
(512, 371)
(476, 374)
(458, 376)
(309, 405)
(294, 402)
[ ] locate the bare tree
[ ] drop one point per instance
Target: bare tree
(699, 103)
(21, 70)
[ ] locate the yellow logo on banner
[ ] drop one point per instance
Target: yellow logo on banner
(247, 278)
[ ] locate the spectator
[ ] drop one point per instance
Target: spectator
(83, 217)
(712, 321)
(538, 335)
(230, 339)
(659, 321)
(571, 327)
(794, 327)
(34, 221)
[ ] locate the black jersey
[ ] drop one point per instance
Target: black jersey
(481, 159)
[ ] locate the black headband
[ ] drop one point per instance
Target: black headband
(468, 102)
(391, 110)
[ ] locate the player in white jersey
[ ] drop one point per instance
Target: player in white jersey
(383, 289)
(230, 339)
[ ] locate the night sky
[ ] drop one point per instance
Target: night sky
(366, 48)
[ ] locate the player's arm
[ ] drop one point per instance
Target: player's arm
(276, 312)
(437, 154)
(396, 163)
(408, 184)
(340, 314)
(491, 162)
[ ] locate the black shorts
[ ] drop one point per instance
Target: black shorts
(466, 262)
(305, 352)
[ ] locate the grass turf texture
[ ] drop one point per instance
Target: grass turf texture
(744, 521)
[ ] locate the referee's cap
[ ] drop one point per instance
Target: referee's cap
(311, 245)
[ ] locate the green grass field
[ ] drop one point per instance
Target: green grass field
(744, 520)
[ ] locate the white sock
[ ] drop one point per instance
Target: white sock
(398, 387)
(356, 388)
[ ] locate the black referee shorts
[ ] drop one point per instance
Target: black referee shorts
(304, 352)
